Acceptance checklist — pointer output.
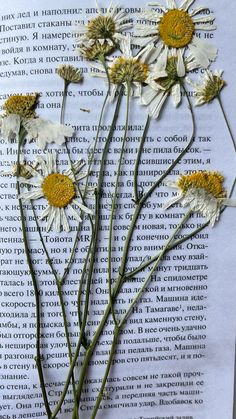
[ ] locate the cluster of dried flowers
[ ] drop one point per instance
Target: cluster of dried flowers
(169, 49)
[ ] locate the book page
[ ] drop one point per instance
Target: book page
(175, 354)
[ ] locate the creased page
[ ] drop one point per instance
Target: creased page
(117, 210)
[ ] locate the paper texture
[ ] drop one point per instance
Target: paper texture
(175, 356)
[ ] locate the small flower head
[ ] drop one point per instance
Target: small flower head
(21, 105)
(203, 192)
(162, 82)
(69, 73)
(104, 29)
(20, 112)
(172, 76)
(127, 70)
(59, 190)
(96, 50)
(211, 182)
(101, 27)
(210, 88)
(24, 170)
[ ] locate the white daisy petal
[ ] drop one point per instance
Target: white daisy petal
(144, 30)
(180, 63)
(45, 131)
(143, 41)
(82, 207)
(35, 194)
(186, 4)
(203, 19)
(172, 201)
(10, 126)
(202, 52)
(229, 202)
(198, 10)
(149, 15)
(30, 182)
(51, 216)
(74, 213)
(64, 221)
(57, 220)
(176, 94)
(156, 105)
(204, 27)
(44, 213)
(148, 95)
(171, 4)
(156, 4)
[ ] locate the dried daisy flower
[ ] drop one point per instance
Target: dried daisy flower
(100, 36)
(203, 192)
(173, 29)
(69, 73)
(96, 51)
(212, 84)
(129, 70)
(163, 82)
(20, 112)
(58, 189)
(24, 170)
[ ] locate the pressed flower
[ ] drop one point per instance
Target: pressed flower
(25, 170)
(173, 29)
(212, 84)
(20, 111)
(203, 192)
(69, 73)
(129, 70)
(164, 81)
(102, 33)
(59, 189)
(96, 50)
(21, 105)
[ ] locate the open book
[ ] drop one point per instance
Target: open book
(175, 352)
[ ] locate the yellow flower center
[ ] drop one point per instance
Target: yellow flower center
(101, 27)
(176, 28)
(22, 105)
(128, 70)
(212, 182)
(58, 189)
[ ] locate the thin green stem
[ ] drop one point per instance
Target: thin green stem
(150, 261)
(34, 280)
(108, 367)
(120, 278)
(176, 243)
(114, 206)
(226, 121)
(59, 290)
(130, 310)
(97, 219)
(91, 160)
(141, 201)
(62, 117)
(63, 106)
(162, 253)
(136, 167)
